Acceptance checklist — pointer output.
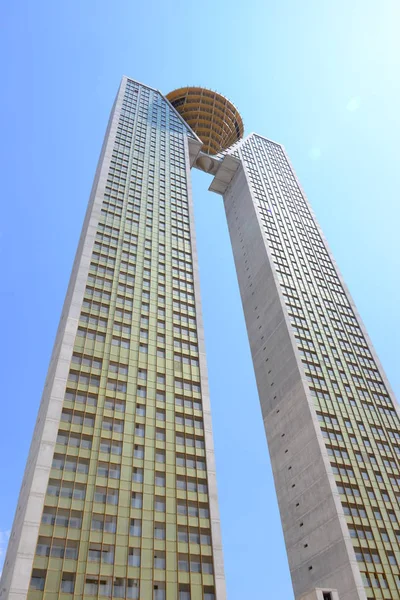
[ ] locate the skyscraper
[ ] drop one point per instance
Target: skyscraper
(119, 494)
(331, 421)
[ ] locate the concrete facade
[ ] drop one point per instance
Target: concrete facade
(325, 400)
(319, 547)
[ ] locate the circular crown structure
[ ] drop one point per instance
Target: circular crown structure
(212, 117)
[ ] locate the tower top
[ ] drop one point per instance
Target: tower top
(210, 115)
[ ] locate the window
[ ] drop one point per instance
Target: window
(159, 504)
(91, 587)
(110, 447)
(115, 425)
(95, 553)
(205, 537)
(116, 386)
(118, 368)
(159, 560)
(103, 553)
(160, 434)
(184, 591)
(159, 479)
(137, 500)
(384, 535)
(84, 379)
(140, 410)
(107, 523)
(119, 588)
(134, 557)
(106, 496)
(207, 566)
(182, 534)
(160, 456)
(141, 391)
(108, 470)
(183, 563)
(159, 531)
(194, 536)
(62, 518)
(132, 589)
(135, 528)
(81, 398)
(142, 374)
(138, 451)
(86, 361)
(195, 564)
(58, 548)
(209, 593)
(159, 591)
(68, 583)
(66, 490)
(137, 475)
(114, 405)
(120, 342)
(203, 511)
(139, 430)
(38, 580)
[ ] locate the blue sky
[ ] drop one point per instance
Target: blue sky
(321, 77)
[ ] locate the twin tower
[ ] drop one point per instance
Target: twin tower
(119, 496)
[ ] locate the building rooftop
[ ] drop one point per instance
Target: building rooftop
(212, 117)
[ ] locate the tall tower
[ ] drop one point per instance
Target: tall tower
(119, 494)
